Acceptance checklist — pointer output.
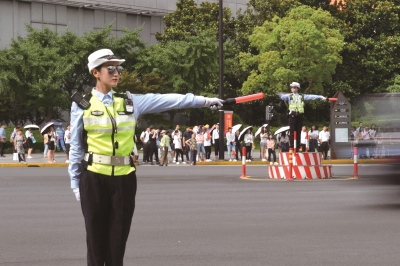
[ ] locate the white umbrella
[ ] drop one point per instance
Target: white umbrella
(241, 135)
(236, 128)
(259, 130)
(46, 127)
(31, 127)
(282, 129)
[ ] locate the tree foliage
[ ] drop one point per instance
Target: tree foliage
(302, 46)
(43, 69)
(190, 20)
(371, 54)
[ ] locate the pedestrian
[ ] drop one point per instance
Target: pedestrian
(102, 172)
(171, 145)
(271, 149)
(207, 142)
(60, 144)
(12, 137)
(67, 141)
(144, 138)
(296, 109)
(178, 146)
(313, 136)
(263, 143)
(193, 149)
(324, 138)
(285, 141)
(19, 142)
(2, 139)
(303, 139)
(29, 142)
(230, 142)
(153, 147)
(238, 146)
(164, 146)
(366, 142)
(248, 142)
(187, 135)
(215, 140)
(50, 140)
(201, 152)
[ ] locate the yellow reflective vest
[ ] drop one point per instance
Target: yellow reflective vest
(296, 104)
(102, 136)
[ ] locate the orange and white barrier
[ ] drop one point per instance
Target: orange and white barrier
(302, 158)
(300, 172)
(308, 166)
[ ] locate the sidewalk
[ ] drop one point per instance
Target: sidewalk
(39, 161)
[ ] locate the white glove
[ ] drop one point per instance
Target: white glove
(213, 103)
(77, 194)
(323, 98)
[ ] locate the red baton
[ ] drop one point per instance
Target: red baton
(243, 99)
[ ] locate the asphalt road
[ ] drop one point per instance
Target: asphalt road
(207, 215)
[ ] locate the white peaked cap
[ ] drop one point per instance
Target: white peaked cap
(295, 84)
(100, 57)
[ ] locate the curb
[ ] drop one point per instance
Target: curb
(337, 161)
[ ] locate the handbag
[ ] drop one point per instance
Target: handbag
(33, 139)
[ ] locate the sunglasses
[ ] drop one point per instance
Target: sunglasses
(111, 69)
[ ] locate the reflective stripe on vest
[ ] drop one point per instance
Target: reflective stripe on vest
(296, 104)
(99, 134)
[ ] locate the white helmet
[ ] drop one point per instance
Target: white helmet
(295, 84)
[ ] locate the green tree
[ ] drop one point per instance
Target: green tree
(371, 53)
(43, 69)
(31, 76)
(303, 46)
(189, 64)
(190, 20)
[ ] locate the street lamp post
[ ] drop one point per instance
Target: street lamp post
(221, 82)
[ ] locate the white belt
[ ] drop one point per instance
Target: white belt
(108, 160)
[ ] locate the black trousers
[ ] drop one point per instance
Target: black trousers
(193, 154)
(216, 147)
(208, 151)
(153, 150)
(238, 148)
(295, 124)
(108, 203)
(146, 152)
(273, 152)
(248, 152)
(2, 146)
(313, 145)
(324, 149)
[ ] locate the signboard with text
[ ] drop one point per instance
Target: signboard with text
(340, 127)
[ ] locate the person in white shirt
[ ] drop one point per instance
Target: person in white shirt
(29, 143)
(313, 136)
(144, 137)
(248, 142)
(324, 138)
(207, 142)
(230, 142)
(67, 141)
(178, 146)
(215, 140)
(303, 139)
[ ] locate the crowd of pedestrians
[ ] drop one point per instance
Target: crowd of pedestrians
(374, 141)
(23, 143)
(196, 144)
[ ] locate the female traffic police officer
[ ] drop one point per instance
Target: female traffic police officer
(296, 110)
(102, 174)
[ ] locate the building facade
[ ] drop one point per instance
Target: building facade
(81, 16)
